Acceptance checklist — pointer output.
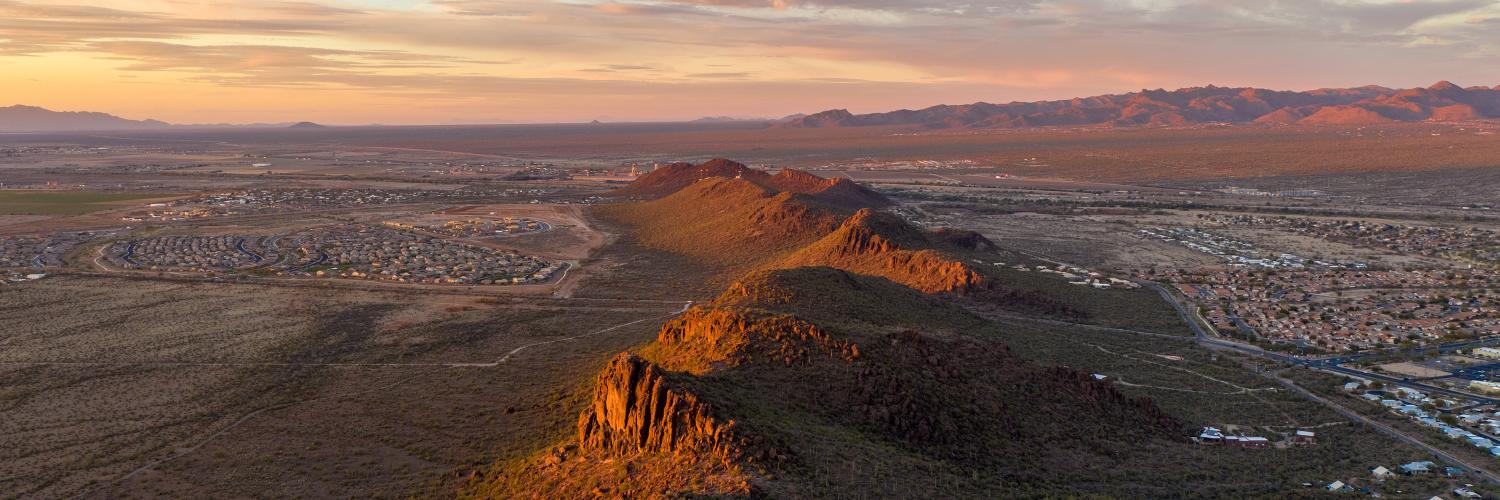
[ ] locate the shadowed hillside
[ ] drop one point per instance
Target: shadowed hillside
(758, 393)
(729, 222)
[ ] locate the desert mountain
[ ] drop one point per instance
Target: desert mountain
(306, 125)
(848, 338)
(33, 119)
(755, 220)
(732, 222)
(674, 177)
(1442, 101)
(757, 393)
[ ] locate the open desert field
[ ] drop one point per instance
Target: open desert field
(247, 390)
(67, 203)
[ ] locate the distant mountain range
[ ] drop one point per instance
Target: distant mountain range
(21, 118)
(1369, 105)
(33, 119)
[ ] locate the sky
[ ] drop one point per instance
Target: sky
(528, 61)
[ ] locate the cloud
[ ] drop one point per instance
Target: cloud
(720, 75)
(635, 50)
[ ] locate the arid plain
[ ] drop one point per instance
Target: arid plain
(423, 311)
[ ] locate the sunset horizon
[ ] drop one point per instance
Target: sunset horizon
(498, 61)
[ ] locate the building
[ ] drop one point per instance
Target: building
(1484, 386)
(1252, 442)
(1304, 437)
(1211, 435)
(1422, 467)
(1487, 352)
(1381, 473)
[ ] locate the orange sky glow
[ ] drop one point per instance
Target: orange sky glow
(508, 61)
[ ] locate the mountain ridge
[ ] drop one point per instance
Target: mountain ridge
(23, 118)
(1367, 105)
(674, 177)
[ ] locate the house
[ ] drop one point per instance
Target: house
(1351, 387)
(1452, 471)
(1480, 442)
(1411, 394)
(1304, 437)
(1484, 386)
(1388, 403)
(1381, 473)
(1254, 442)
(1211, 435)
(1422, 467)
(1337, 486)
(1456, 433)
(1495, 451)
(1430, 422)
(1370, 396)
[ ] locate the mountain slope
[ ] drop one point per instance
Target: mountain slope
(33, 119)
(880, 244)
(726, 221)
(1442, 101)
(751, 395)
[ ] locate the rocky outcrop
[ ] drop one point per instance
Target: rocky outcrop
(839, 192)
(636, 409)
(881, 244)
(702, 339)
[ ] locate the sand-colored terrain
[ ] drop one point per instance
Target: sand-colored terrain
(1413, 370)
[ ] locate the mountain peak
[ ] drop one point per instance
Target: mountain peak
(1444, 85)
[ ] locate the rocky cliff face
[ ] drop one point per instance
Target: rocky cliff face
(636, 409)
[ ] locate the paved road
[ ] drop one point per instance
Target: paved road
(1332, 365)
(322, 257)
(130, 252)
(1327, 364)
(1385, 429)
(240, 245)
